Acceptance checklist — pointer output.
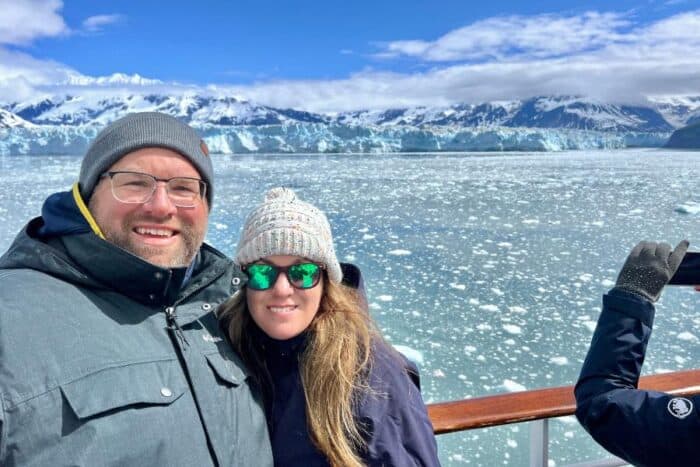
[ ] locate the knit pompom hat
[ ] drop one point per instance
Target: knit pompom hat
(285, 225)
(138, 131)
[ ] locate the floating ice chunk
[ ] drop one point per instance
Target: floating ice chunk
(497, 291)
(368, 237)
(512, 329)
(488, 307)
(517, 309)
(689, 207)
(590, 325)
(569, 420)
(585, 277)
(484, 327)
(687, 336)
(349, 258)
(385, 298)
(512, 443)
(412, 354)
(531, 221)
(561, 361)
(399, 252)
(458, 286)
(438, 373)
(473, 301)
(505, 245)
(607, 283)
(598, 223)
(220, 226)
(512, 386)
(469, 349)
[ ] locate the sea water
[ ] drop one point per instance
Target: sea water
(487, 269)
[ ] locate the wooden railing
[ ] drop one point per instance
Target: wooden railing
(538, 404)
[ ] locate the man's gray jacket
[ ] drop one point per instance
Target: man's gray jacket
(105, 360)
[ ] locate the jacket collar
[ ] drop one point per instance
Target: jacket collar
(123, 272)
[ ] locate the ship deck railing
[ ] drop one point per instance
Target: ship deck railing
(537, 406)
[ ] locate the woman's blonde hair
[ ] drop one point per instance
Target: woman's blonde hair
(333, 366)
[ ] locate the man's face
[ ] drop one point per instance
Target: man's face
(157, 231)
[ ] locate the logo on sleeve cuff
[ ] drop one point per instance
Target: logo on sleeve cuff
(680, 407)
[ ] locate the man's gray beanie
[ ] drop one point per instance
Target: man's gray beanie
(138, 131)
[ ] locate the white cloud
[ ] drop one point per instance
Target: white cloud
(601, 55)
(524, 36)
(23, 21)
(96, 23)
(23, 76)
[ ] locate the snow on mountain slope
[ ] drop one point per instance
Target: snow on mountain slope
(679, 111)
(92, 108)
(64, 123)
(10, 120)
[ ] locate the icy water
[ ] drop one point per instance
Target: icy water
(488, 267)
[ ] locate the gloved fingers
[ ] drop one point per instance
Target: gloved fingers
(674, 260)
(637, 250)
(663, 251)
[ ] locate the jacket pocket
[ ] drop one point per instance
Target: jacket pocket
(150, 383)
(229, 371)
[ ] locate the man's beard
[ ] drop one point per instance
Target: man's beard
(181, 257)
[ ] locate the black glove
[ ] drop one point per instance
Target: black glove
(649, 267)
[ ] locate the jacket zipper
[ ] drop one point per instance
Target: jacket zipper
(173, 325)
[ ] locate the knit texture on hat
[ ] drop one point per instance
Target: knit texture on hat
(138, 131)
(285, 225)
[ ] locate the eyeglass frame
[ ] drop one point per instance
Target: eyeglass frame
(202, 187)
(284, 270)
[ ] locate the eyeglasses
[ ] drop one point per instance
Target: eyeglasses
(138, 188)
(301, 276)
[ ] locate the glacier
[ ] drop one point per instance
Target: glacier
(337, 138)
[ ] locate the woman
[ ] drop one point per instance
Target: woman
(335, 393)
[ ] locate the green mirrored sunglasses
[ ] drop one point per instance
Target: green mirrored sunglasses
(264, 276)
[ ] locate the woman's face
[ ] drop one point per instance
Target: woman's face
(283, 311)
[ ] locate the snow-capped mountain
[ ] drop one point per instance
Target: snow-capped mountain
(200, 110)
(10, 120)
(66, 123)
(539, 112)
(98, 110)
(679, 111)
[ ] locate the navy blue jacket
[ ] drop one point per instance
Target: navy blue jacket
(645, 428)
(398, 430)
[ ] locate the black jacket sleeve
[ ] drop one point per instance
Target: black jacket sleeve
(2, 440)
(645, 428)
(399, 432)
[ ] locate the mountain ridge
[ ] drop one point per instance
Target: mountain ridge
(571, 112)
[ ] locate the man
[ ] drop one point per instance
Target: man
(110, 353)
(643, 427)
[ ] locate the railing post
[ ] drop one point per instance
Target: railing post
(539, 443)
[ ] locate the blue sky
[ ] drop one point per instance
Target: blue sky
(333, 56)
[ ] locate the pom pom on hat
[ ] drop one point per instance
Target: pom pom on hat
(285, 225)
